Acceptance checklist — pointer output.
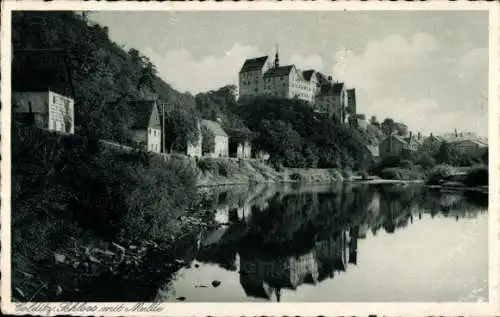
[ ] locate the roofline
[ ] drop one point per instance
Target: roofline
(249, 59)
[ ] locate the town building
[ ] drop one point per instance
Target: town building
(261, 76)
(42, 90)
(464, 142)
(240, 143)
(221, 139)
(395, 145)
(146, 127)
(332, 101)
(44, 109)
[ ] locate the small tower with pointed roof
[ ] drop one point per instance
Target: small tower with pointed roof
(277, 58)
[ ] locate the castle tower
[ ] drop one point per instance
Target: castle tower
(277, 58)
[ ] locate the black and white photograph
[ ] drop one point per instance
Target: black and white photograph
(248, 156)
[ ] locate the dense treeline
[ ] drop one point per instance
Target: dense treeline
(290, 131)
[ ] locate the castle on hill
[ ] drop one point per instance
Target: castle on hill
(261, 76)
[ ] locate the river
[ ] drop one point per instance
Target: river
(338, 243)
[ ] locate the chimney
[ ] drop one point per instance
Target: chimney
(431, 135)
(410, 136)
(456, 133)
(419, 135)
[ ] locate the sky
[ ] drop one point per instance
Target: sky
(427, 69)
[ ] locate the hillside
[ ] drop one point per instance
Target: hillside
(103, 74)
(290, 131)
(105, 77)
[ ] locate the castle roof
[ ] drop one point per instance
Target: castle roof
(143, 111)
(279, 71)
(307, 74)
(254, 64)
(214, 127)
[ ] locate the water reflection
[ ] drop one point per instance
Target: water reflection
(280, 239)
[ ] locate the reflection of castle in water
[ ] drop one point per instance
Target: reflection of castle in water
(261, 278)
(337, 223)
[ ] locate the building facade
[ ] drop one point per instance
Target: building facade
(262, 77)
(146, 127)
(393, 145)
(221, 139)
(46, 110)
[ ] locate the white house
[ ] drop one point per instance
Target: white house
(146, 126)
(221, 139)
(45, 109)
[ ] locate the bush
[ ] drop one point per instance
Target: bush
(397, 173)
(425, 160)
(208, 164)
(364, 175)
(335, 174)
(347, 174)
(65, 188)
(389, 161)
(406, 164)
(226, 168)
(439, 172)
(477, 176)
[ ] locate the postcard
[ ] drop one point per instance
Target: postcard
(244, 159)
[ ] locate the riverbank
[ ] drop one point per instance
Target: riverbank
(83, 200)
(230, 171)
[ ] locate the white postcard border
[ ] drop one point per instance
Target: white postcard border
(490, 308)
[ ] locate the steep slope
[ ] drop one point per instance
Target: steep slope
(103, 74)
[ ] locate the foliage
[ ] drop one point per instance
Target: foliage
(296, 137)
(477, 176)
(207, 140)
(424, 159)
(447, 154)
(364, 175)
(388, 161)
(208, 164)
(374, 121)
(388, 126)
(67, 187)
(406, 164)
(181, 128)
(401, 128)
(485, 156)
(398, 173)
(220, 104)
(440, 172)
(347, 174)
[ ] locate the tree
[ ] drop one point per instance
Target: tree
(447, 154)
(279, 139)
(374, 121)
(485, 156)
(388, 126)
(401, 128)
(181, 128)
(208, 140)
